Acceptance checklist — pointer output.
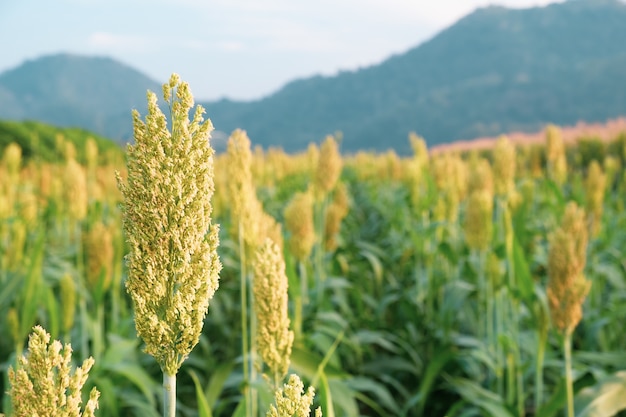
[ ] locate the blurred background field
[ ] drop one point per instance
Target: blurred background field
(413, 296)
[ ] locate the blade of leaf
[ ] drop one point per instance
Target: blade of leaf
(204, 410)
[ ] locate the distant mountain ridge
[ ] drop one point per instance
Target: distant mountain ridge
(94, 93)
(494, 71)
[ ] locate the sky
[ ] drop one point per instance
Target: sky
(238, 49)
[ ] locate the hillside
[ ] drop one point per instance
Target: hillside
(95, 93)
(39, 140)
(494, 71)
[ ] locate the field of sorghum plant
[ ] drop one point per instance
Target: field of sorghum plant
(487, 283)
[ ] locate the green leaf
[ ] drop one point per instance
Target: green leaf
(473, 393)
(433, 370)
(329, 409)
(204, 410)
(604, 399)
(217, 382)
(54, 315)
(306, 364)
(524, 279)
(379, 391)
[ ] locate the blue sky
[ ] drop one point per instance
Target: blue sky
(241, 49)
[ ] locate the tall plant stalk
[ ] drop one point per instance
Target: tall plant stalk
(569, 383)
(245, 349)
(169, 395)
(173, 266)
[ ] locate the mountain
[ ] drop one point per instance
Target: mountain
(494, 71)
(95, 93)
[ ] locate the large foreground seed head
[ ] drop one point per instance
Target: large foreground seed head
(173, 266)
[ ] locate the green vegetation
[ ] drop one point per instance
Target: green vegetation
(39, 141)
(429, 285)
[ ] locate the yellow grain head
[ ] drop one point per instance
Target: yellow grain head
(554, 143)
(559, 174)
(451, 180)
(245, 208)
(28, 206)
(91, 154)
(555, 155)
(420, 150)
(12, 160)
(173, 265)
(328, 168)
(392, 166)
(75, 189)
(274, 339)
(336, 211)
(312, 157)
(9, 178)
(460, 177)
(595, 185)
(98, 244)
(45, 182)
(299, 223)
(292, 401)
(70, 151)
(478, 224)
(480, 176)
(45, 383)
(270, 228)
(567, 286)
(14, 254)
(504, 163)
(612, 166)
(68, 302)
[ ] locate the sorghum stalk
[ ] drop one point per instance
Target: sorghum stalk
(299, 222)
(327, 173)
(541, 350)
(173, 266)
(567, 286)
(569, 381)
(247, 217)
(595, 185)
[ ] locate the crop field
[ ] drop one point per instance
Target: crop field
(475, 283)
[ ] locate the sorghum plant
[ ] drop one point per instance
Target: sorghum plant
(173, 266)
(44, 384)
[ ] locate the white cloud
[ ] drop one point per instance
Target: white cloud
(107, 40)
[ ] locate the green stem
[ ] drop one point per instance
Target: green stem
(244, 322)
(499, 351)
(84, 329)
(320, 275)
(510, 392)
(567, 348)
(297, 319)
(253, 371)
(169, 395)
(520, 377)
(541, 350)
